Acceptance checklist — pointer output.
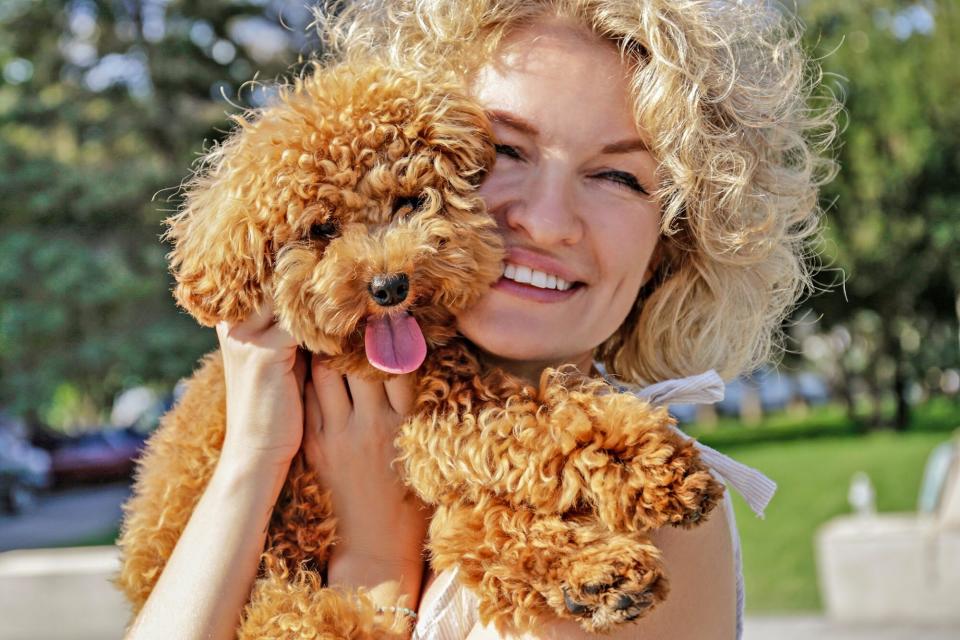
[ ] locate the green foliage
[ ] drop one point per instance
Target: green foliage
(102, 106)
(893, 220)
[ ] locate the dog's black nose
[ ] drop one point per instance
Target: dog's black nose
(390, 289)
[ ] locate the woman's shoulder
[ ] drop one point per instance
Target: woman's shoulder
(701, 566)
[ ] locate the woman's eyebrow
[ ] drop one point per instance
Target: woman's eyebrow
(513, 122)
(625, 146)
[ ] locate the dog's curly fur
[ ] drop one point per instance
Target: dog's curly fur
(543, 494)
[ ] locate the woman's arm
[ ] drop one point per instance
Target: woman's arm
(208, 577)
(702, 602)
(207, 580)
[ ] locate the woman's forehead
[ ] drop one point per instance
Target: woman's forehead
(557, 45)
(559, 78)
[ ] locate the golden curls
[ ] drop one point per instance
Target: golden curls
(723, 89)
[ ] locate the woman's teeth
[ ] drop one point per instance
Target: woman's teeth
(539, 279)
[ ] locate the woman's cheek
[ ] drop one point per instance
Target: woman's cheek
(500, 183)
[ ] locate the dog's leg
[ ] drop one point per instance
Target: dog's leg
(635, 471)
(572, 443)
(287, 597)
(171, 476)
(527, 569)
(302, 527)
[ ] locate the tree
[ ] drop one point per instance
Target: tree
(893, 220)
(102, 106)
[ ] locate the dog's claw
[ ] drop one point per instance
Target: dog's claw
(696, 515)
(598, 588)
(624, 602)
(574, 607)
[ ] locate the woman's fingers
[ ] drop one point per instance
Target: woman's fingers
(262, 318)
(300, 368)
(400, 393)
(259, 328)
(254, 324)
(312, 417)
(312, 425)
(369, 397)
(342, 399)
(331, 393)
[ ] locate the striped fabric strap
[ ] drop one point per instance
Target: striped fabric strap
(452, 614)
(707, 388)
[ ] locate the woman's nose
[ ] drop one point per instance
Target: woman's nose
(544, 209)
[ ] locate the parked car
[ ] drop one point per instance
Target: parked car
(773, 390)
(24, 469)
(104, 453)
(98, 456)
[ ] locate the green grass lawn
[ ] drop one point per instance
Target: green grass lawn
(813, 477)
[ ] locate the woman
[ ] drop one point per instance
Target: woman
(653, 156)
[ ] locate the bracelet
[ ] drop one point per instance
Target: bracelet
(410, 613)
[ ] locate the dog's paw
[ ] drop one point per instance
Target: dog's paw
(601, 597)
(658, 490)
(695, 497)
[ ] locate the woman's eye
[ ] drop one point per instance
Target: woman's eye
(623, 178)
(324, 231)
(507, 150)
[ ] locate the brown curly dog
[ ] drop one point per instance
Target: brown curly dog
(352, 202)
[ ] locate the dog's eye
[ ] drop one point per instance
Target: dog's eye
(324, 231)
(414, 202)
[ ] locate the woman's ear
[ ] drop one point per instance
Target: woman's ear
(221, 258)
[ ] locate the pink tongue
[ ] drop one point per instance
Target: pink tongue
(394, 343)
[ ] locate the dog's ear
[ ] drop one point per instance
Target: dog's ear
(221, 257)
(462, 138)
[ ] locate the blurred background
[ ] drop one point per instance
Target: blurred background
(105, 105)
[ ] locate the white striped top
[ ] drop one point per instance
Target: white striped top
(453, 613)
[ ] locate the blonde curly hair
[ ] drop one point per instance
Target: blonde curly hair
(723, 88)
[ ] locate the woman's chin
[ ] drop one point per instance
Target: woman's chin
(510, 344)
(521, 333)
(509, 347)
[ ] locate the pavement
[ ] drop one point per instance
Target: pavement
(817, 627)
(65, 517)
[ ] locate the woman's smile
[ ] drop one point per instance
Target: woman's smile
(534, 276)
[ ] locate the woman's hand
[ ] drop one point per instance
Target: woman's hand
(348, 440)
(264, 375)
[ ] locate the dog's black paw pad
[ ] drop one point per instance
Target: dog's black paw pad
(694, 516)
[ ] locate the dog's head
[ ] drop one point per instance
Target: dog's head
(351, 202)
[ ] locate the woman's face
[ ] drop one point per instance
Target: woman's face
(570, 191)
